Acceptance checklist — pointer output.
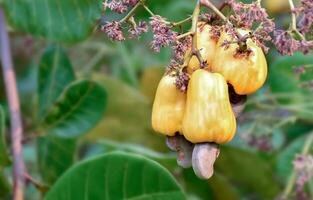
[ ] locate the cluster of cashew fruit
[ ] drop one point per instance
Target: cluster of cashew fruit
(197, 121)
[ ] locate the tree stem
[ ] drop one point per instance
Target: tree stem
(14, 107)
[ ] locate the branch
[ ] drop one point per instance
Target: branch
(14, 106)
(208, 4)
(293, 24)
(40, 186)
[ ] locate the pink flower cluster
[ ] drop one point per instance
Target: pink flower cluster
(162, 34)
(286, 44)
(286, 41)
(114, 29)
(120, 6)
(246, 16)
(303, 165)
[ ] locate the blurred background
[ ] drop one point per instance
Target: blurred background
(257, 164)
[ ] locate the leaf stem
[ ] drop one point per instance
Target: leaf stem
(14, 107)
(293, 177)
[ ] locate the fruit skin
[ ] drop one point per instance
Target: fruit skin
(245, 74)
(277, 6)
(208, 115)
(206, 46)
(168, 107)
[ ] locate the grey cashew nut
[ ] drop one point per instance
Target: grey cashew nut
(183, 148)
(203, 159)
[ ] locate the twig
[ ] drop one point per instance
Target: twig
(208, 4)
(181, 22)
(40, 186)
(194, 28)
(184, 35)
(131, 12)
(14, 106)
(293, 24)
(147, 9)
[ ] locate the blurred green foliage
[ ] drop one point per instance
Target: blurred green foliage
(84, 98)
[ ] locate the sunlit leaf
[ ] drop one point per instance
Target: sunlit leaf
(56, 20)
(116, 176)
(77, 110)
(55, 73)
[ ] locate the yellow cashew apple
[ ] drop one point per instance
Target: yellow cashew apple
(168, 107)
(208, 115)
(245, 73)
(206, 45)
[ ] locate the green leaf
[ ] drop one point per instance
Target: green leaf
(77, 110)
(284, 159)
(128, 113)
(106, 146)
(55, 73)
(4, 186)
(288, 87)
(116, 176)
(4, 155)
(220, 183)
(248, 170)
(55, 155)
(168, 160)
(57, 20)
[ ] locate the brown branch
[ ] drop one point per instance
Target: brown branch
(40, 186)
(14, 107)
(208, 4)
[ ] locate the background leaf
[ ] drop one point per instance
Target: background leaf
(248, 170)
(55, 73)
(77, 110)
(4, 155)
(116, 176)
(55, 155)
(289, 87)
(57, 20)
(150, 80)
(4, 186)
(284, 159)
(220, 183)
(127, 117)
